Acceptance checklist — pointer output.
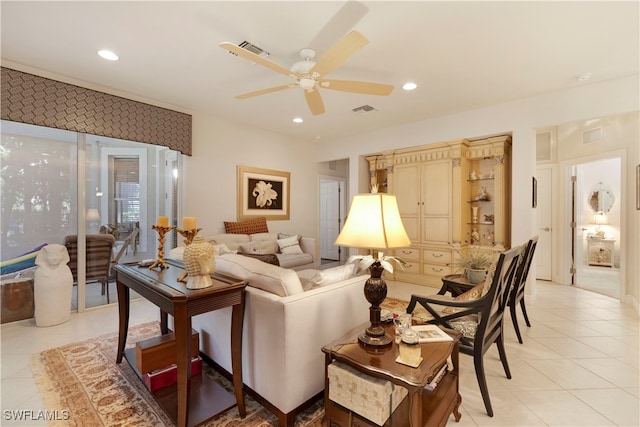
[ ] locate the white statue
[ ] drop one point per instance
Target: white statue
(200, 263)
(53, 286)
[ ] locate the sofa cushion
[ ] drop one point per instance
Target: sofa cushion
(232, 241)
(333, 275)
(252, 226)
(268, 277)
(266, 243)
(294, 260)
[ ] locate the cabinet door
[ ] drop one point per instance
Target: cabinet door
(407, 190)
(436, 199)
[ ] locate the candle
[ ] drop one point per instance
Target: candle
(189, 223)
(163, 221)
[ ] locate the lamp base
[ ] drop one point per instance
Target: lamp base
(375, 291)
(369, 340)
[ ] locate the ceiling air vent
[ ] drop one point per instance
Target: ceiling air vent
(253, 49)
(592, 135)
(363, 109)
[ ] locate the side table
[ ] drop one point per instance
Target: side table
(183, 403)
(421, 408)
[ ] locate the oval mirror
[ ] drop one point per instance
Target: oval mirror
(601, 198)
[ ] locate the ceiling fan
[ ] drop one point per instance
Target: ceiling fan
(309, 75)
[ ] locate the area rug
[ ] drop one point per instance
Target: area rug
(83, 386)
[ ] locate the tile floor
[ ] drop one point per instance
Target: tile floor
(578, 366)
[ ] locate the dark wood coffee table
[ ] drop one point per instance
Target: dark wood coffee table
(190, 401)
(421, 407)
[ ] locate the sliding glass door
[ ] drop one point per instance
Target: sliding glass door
(57, 184)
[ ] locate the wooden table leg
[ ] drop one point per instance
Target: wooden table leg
(164, 322)
(237, 319)
(183, 361)
(415, 408)
(123, 312)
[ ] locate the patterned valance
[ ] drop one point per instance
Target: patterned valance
(27, 98)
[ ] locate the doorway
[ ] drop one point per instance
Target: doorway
(332, 208)
(597, 234)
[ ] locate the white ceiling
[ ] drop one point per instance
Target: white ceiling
(462, 55)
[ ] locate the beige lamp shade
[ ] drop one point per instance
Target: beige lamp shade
(373, 223)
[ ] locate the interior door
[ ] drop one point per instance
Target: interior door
(331, 208)
(544, 252)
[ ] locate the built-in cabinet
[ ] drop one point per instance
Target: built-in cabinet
(450, 195)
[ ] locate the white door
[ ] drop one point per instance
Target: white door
(331, 208)
(544, 254)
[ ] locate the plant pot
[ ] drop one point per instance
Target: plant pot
(475, 276)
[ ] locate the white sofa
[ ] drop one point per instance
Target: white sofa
(266, 243)
(283, 334)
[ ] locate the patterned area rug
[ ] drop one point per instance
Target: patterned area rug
(83, 379)
(420, 314)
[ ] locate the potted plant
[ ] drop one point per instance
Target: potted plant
(475, 261)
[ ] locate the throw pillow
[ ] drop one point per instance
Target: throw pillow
(252, 226)
(266, 243)
(289, 245)
(222, 249)
(333, 275)
(470, 295)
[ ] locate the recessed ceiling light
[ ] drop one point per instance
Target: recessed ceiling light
(409, 86)
(107, 54)
(298, 120)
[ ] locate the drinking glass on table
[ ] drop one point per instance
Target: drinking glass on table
(401, 322)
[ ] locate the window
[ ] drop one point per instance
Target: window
(126, 196)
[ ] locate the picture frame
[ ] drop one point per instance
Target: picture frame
(534, 192)
(638, 187)
(263, 193)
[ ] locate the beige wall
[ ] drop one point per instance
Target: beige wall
(210, 174)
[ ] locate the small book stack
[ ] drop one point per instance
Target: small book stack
(437, 377)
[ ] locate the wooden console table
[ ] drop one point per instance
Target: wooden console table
(185, 405)
(421, 408)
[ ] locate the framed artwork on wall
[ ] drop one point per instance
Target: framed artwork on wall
(263, 193)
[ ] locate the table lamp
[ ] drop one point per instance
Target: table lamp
(374, 223)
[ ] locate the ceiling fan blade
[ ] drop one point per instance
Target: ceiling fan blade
(340, 24)
(357, 87)
(257, 59)
(339, 53)
(265, 91)
(314, 101)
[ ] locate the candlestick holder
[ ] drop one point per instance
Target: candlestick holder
(188, 234)
(162, 231)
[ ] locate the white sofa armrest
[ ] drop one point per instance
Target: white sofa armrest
(308, 246)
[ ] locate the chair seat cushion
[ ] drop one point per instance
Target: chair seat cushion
(467, 325)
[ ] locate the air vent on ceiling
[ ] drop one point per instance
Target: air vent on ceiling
(592, 135)
(363, 109)
(253, 49)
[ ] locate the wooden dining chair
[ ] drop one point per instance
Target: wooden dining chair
(99, 252)
(480, 320)
(516, 296)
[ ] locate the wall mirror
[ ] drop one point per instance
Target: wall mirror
(601, 198)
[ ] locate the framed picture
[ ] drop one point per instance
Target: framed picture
(263, 193)
(534, 192)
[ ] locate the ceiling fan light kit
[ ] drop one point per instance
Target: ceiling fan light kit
(309, 74)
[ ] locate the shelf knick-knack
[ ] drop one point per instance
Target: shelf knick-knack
(474, 211)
